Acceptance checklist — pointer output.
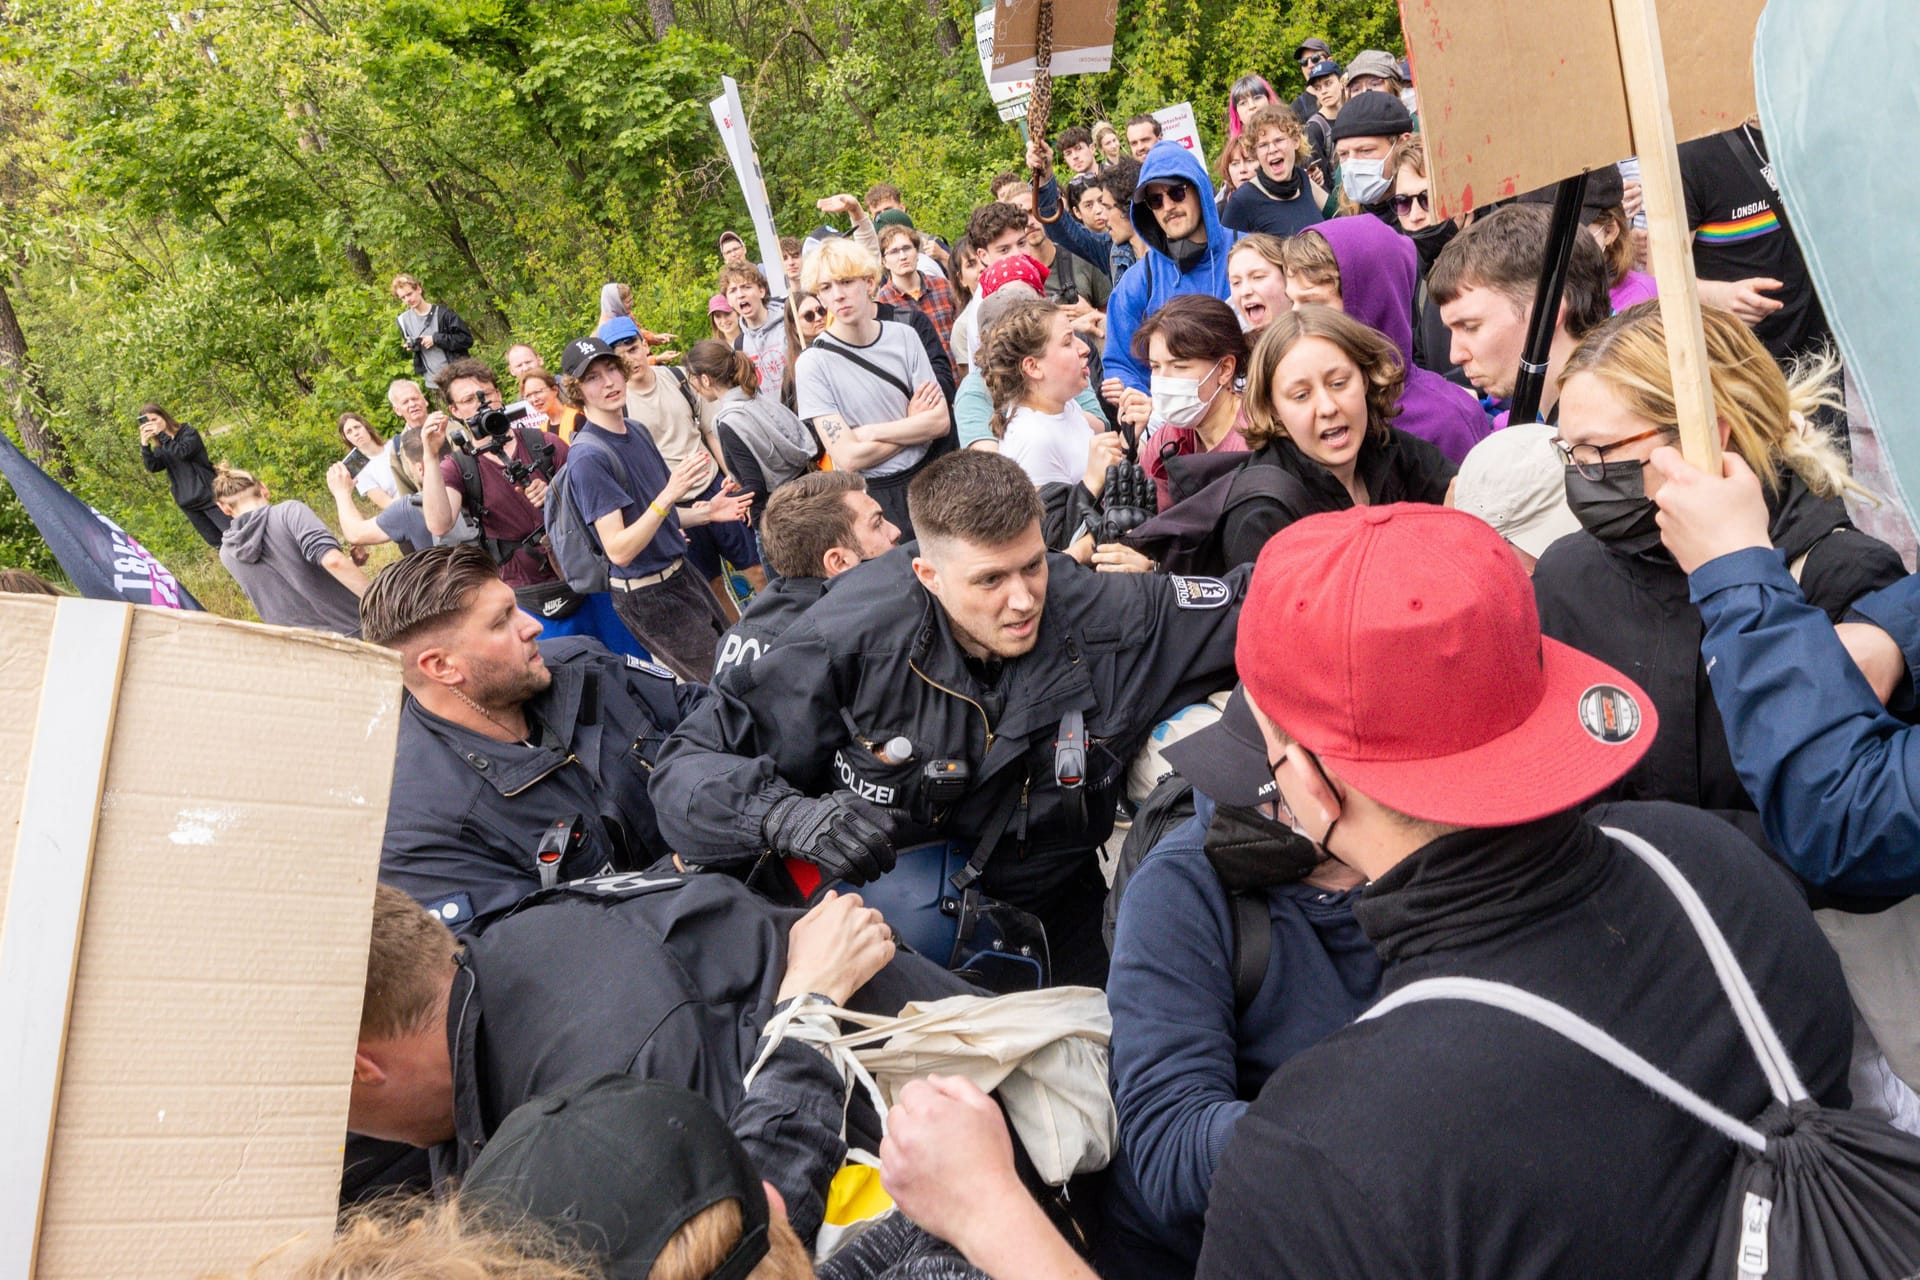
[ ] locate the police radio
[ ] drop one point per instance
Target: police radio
(1070, 761)
(942, 784)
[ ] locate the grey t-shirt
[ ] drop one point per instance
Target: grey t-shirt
(412, 325)
(274, 553)
(828, 383)
(403, 521)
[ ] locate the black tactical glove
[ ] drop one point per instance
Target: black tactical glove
(843, 835)
(1126, 503)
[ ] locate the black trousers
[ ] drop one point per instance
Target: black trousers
(678, 620)
(209, 522)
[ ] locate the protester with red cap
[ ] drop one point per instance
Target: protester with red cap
(1423, 731)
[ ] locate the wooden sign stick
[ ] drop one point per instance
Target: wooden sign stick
(1644, 68)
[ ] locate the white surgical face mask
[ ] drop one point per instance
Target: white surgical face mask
(1365, 181)
(1409, 100)
(1177, 402)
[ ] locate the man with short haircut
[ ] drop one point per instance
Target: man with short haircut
(504, 737)
(1142, 132)
(733, 250)
(521, 361)
(401, 522)
(288, 564)
(763, 331)
(1076, 150)
(977, 646)
(996, 231)
(815, 528)
(1417, 754)
(1363, 137)
(882, 196)
(1308, 55)
(791, 258)
(1120, 178)
(508, 513)
(624, 488)
(866, 386)
(1484, 284)
(408, 402)
(660, 976)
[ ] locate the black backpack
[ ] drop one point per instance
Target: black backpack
(539, 455)
(1166, 807)
(1187, 538)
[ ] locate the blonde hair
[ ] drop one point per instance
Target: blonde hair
(1765, 410)
(703, 1242)
(1102, 130)
(404, 278)
(1308, 257)
(420, 1240)
(231, 482)
(1377, 359)
(1408, 153)
(841, 258)
(409, 955)
(1021, 334)
(1272, 248)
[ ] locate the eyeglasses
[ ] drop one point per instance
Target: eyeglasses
(1590, 460)
(1173, 193)
(1403, 205)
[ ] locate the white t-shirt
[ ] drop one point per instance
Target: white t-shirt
(1050, 447)
(966, 335)
(378, 474)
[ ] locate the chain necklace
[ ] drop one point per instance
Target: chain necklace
(525, 741)
(1766, 165)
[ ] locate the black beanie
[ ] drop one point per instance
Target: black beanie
(1372, 115)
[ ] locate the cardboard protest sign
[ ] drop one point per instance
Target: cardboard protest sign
(1082, 38)
(1515, 94)
(1178, 124)
(1009, 96)
(199, 807)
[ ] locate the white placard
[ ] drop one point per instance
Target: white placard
(1009, 97)
(1178, 124)
(731, 118)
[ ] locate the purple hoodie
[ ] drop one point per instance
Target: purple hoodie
(1378, 270)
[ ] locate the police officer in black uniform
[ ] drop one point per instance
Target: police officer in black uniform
(974, 686)
(521, 763)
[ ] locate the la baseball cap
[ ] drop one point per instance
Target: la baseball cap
(619, 1164)
(1516, 481)
(582, 352)
(1322, 69)
(1401, 645)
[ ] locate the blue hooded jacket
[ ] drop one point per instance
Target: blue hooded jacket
(1150, 282)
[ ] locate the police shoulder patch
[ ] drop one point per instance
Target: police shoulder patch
(1200, 593)
(455, 908)
(649, 666)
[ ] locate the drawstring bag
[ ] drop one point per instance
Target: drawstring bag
(1043, 1052)
(1816, 1194)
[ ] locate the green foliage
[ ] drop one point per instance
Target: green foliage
(204, 207)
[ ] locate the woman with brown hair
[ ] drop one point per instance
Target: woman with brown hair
(1322, 393)
(806, 320)
(762, 442)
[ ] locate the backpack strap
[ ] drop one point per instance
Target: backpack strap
(686, 391)
(1252, 945)
(539, 453)
(892, 379)
(1547, 1014)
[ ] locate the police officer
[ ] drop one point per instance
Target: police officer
(976, 686)
(815, 527)
(661, 976)
(520, 764)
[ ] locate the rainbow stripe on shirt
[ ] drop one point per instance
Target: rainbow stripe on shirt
(1734, 230)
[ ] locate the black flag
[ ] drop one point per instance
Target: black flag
(101, 558)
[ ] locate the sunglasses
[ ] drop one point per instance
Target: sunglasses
(1158, 198)
(812, 317)
(1403, 205)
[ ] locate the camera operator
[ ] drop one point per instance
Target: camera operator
(176, 448)
(512, 471)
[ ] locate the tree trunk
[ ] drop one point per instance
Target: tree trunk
(944, 32)
(20, 384)
(662, 15)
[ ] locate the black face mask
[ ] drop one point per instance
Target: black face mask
(1430, 240)
(1249, 850)
(1616, 509)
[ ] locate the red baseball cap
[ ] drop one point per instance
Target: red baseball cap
(1401, 645)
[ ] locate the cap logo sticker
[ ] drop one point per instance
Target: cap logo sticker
(1200, 593)
(1609, 714)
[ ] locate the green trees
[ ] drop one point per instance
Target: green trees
(204, 206)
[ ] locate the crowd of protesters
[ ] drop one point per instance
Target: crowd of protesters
(1144, 591)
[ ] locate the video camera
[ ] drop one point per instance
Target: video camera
(488, 431)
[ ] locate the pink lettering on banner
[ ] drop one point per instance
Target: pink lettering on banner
(135, 570)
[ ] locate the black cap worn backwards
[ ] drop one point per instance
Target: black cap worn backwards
(617, 1166)
(1228, 759)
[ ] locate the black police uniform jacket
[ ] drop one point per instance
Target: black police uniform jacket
(467, 812)
(876, 659)
(666, 977)
(765, 620)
